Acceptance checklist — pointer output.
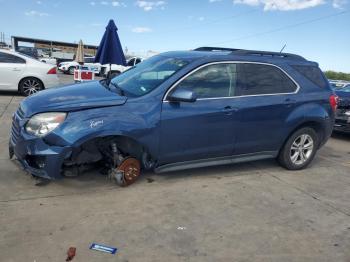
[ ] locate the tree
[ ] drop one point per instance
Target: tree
(337, 75)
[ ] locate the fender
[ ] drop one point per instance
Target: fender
(82, 126)
(312, 112)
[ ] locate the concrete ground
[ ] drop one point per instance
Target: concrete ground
(246, 212)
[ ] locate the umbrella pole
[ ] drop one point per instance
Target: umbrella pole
(110, 73)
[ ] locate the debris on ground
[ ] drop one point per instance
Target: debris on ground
(103, 248)
(38, 181)
(71, 253)
(150, 180)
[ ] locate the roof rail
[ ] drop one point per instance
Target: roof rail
(214, 49)
(268, 54)
(252, 52)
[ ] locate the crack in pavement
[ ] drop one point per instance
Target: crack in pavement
(310, 195)
(59, 195)
(3, 112)
(346, 164)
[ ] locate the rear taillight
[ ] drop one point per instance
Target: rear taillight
(333, 100)
(52, 71)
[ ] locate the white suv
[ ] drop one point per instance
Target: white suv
(117, 69)
(25, 74)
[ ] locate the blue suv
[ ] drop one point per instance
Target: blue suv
(179, 110)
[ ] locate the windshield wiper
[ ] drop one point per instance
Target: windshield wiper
(120, 90)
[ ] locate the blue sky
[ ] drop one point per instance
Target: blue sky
(316, 29)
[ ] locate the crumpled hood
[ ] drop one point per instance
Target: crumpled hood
(344, 99)
(71, 98)
(343, 94)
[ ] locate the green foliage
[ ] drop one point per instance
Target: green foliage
(337, 75)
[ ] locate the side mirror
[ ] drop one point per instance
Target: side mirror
(182, 95)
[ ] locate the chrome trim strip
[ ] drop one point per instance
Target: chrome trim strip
(231, 62)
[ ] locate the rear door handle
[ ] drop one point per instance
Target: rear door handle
(289, 102)
(16, 69)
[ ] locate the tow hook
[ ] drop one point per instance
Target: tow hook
(127, 172)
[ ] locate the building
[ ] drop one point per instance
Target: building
(49, 46)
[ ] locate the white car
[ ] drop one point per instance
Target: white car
(117, 69)
(68, 67)
(25, 74)
(51, 61)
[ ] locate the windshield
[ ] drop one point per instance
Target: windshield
(146, 76)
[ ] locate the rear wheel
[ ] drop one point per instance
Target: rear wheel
(30, 85)
(300, 149)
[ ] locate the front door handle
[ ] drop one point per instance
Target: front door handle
(16, 69)
(228, 110)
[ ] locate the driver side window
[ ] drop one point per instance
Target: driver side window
(212, 81)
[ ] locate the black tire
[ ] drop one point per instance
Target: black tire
(71, 70)
(296, 154)
(30, 85)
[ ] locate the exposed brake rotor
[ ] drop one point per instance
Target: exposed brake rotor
(128, 171)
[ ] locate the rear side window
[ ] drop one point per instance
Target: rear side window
(7, 58)
(261, 79)
(312, 73)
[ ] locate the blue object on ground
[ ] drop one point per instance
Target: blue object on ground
(103, 248)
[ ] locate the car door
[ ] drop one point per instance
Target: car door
(11, 70)
(266, 96)
(204, 128)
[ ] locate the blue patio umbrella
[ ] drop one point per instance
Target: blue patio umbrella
(110, 50)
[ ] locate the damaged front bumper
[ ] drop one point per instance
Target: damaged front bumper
(342, 120)
(35, 156)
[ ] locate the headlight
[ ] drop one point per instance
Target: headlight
(347, 113)
(42, 124)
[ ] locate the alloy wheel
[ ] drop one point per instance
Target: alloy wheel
(31, 86)
(301, 149)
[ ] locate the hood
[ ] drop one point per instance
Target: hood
(71, 98)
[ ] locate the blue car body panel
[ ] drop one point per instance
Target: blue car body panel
(172, 132)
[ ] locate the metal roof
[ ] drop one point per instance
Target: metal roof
(49, 42)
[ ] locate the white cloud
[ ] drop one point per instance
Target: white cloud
(35, 13)
(282, 5)
(213, 1)
(150, 5)
(201, 18)
(118, 4)
(141, 29)
(104, 3)
(39, 2)
(339, 3)
(92, 3)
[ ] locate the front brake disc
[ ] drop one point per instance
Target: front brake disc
(128, 171)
